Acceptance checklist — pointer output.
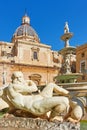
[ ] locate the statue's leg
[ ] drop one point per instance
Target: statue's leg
(76, 114)
(77, 110)
(59, 112)
(47, 104)
(48, 90)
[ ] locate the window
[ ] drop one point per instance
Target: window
(83, 54)
(9, 47)
(82, 67)
(35, 55)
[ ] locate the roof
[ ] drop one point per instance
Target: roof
(25, 31)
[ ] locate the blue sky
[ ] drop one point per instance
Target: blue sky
(48, 18)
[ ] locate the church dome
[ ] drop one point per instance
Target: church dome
(25, 31)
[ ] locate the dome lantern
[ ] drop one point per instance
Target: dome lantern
(25, 20)
(25, 31)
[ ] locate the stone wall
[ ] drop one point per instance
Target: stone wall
(46, 74)
(81, 57)
(18, 123)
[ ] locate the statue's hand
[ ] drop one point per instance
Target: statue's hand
(30, 82)
(1, 92)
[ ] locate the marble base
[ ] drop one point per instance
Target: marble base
(19, 123)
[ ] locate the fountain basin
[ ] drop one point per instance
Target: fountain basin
(68, 78)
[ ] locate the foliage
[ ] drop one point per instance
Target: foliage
(83, 125)
(2, 112)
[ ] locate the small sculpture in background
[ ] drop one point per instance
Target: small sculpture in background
(66, 28)
(67, 64)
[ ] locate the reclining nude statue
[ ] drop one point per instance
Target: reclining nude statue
(18, 95)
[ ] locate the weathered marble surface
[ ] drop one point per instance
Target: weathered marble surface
(17, 123)
(19, 94)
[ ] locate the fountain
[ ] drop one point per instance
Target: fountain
(68, 77)
(68, 71)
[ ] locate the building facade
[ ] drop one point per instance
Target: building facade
(81, 62)
(26, 53)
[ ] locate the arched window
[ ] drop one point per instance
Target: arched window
(35, 55)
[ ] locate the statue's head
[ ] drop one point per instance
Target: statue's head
(17, 76)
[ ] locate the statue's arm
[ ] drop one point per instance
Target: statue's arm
(63, 90)
(60, 90)
(30, 87)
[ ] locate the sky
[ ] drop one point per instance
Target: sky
(48, 18)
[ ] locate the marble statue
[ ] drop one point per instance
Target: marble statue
(67, 65)
(18, 95)
(66, 28)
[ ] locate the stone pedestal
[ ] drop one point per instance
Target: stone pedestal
(18, 123)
